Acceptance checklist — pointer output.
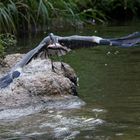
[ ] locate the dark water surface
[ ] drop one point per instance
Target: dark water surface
(109, 79)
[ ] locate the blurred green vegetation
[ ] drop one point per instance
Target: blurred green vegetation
(28, 15)
(1, 50)
(6, 40)
(18, 16)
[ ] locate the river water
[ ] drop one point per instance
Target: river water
(109, 84)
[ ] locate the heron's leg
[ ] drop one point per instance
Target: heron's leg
(54, 41)
(62, 66)
(53, 67)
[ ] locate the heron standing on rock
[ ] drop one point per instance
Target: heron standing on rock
(57, 45)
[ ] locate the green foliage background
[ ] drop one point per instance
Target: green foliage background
(18, 16)
(6, 40)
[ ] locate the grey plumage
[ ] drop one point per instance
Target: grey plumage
(57, 45)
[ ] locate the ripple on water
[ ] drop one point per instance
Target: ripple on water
(99, 110)
(66, 127)
(10, 114)
(64, 103)
(53, 124)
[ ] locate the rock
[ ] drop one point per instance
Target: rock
(38, 83)
(9, 61)
(12, 59)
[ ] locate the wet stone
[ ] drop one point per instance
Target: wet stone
(37, 83)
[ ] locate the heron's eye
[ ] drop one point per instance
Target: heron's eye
(15, 74)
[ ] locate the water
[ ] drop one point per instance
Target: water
(109, 79)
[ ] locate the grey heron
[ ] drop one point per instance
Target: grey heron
(58, 45)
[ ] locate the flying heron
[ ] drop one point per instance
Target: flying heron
(57, 45)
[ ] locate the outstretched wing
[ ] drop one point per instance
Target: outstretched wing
(44, 49)
(33, 53)
(76, 41)
(64, 44)
(127, 41)
(90, 41)
(130, 40)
